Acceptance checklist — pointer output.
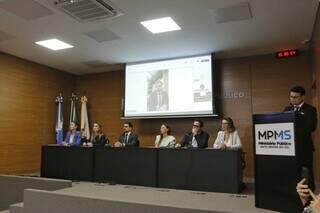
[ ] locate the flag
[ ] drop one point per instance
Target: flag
(73, 112)
(59, 121)
(84, 118)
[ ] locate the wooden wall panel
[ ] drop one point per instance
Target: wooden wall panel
(27, 120)
(272, 78)
(248, 85)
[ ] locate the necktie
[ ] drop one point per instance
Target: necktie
(126, 138)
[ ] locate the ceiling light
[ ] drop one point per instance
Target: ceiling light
(54, 44)
(161, 25)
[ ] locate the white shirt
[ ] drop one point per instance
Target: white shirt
(168, 141)
(233, 141)
(71, 139)
(297, 107)
(194, 142)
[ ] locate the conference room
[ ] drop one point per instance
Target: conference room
(159, 106)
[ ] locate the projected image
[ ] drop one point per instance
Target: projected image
(201, 94)
(158, 91)
(173, 87)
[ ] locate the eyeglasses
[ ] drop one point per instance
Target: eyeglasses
(196, 126)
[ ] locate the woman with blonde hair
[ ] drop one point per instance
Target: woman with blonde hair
(98, 138)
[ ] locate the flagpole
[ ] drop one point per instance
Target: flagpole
(59, 121)
(85, 127)
(73, 114)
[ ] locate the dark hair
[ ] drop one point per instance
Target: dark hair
(169, 131)
(75, 123)
(168, 127)
(200, 122)
(298, 89)
(129, 124)
(231, 126)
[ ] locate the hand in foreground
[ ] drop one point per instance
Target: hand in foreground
(314, 204)
(303, 191)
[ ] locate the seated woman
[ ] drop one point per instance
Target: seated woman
(165, 139)
(228, 136)
(98, 138)
(73, 137)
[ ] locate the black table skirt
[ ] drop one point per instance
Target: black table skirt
(192, 169)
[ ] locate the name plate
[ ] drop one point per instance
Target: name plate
(275, 139)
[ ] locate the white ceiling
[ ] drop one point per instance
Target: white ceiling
(275, 25)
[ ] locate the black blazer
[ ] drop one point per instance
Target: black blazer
(132, 140)
(202, 139)
(306, 123)
(99, 140)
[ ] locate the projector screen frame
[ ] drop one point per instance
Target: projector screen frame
(214, 84)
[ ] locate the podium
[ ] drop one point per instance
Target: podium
(276, 168)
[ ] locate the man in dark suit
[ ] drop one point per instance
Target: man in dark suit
(158, 99)
(306, 123)
(197, 138)
(127, 138)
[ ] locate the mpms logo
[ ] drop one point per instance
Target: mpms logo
(276, 135)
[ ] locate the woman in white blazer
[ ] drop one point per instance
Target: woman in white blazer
(228, 136)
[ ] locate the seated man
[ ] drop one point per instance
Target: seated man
(197, 138)
(127, 138)
(73, 137)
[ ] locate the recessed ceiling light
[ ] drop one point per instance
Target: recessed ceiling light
(54, 44)
(161, 25)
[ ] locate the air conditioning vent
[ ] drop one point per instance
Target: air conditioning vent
(88, 10)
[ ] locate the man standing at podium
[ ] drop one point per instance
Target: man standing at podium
(306, 123)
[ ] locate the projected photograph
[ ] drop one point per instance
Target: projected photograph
(158, 91)
(201, 90)
(173, 87)
(201, 94)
